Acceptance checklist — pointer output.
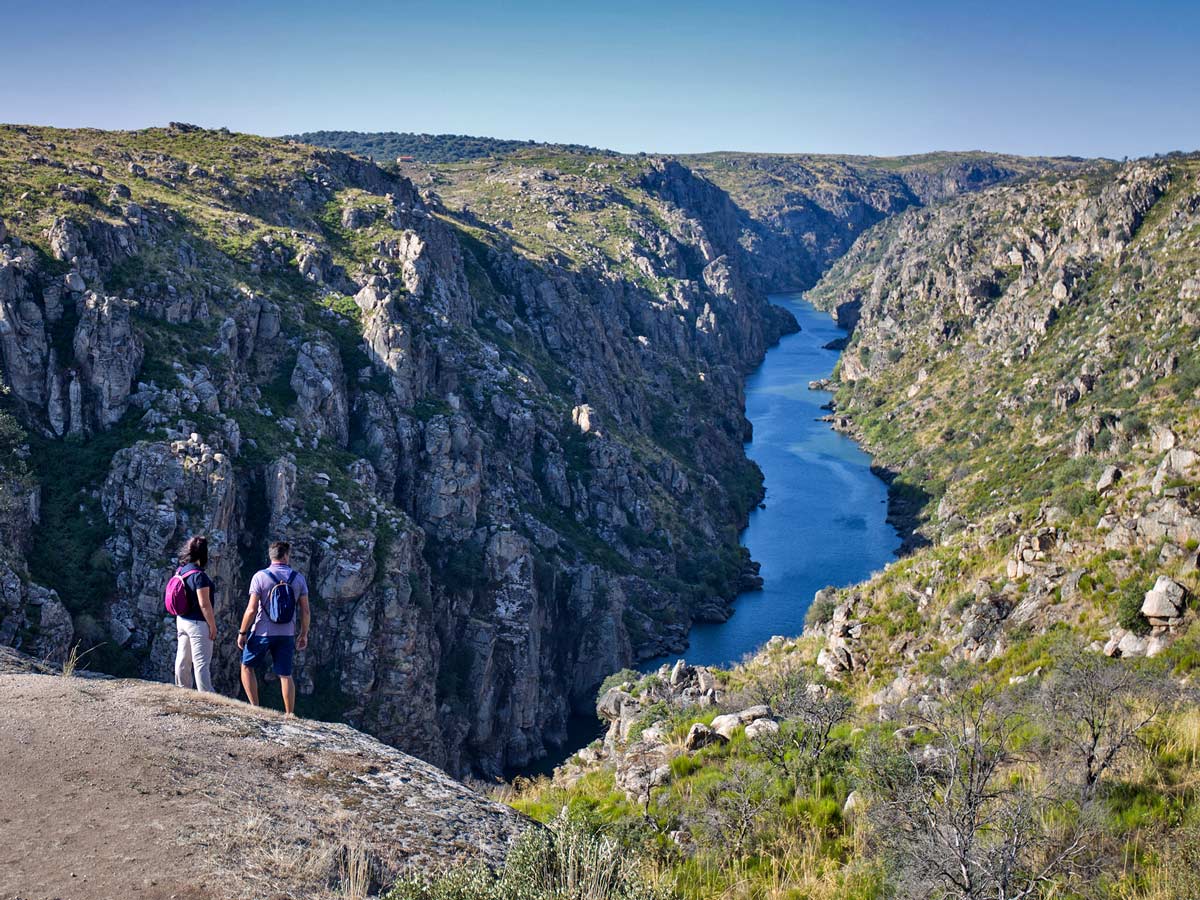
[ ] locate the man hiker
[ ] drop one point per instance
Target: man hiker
(278, 597)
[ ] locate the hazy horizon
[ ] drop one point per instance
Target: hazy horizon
(651, 152)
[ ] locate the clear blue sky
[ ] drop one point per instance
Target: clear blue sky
(1054, 76)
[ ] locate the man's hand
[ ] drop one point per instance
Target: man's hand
(302, 641)
(241, 641)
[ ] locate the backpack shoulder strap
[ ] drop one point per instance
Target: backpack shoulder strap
(291, 577)
(271, 575)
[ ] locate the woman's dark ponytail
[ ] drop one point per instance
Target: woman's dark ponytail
(195, 551)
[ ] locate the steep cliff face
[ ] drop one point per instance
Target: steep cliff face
(507, 467)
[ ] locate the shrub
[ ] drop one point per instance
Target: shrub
(565, 861)
(616, 679)
(821, 611)
(959, 606)
(1129, 605)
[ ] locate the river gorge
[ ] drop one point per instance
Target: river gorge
(823, 521)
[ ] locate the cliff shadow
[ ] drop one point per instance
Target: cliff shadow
(907, 503)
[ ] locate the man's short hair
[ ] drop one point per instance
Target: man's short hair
(280, 550)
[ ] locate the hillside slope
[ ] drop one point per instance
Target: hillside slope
(131, 789)
(798, 212)
(1026, 359)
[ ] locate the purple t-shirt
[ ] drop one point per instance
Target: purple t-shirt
(261, 585)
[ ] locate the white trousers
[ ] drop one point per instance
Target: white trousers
(194, 654)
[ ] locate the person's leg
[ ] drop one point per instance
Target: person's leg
(282, 648)
(202, 650)
(288, 687)
(250, 684)
(183, 657)
(253, 658)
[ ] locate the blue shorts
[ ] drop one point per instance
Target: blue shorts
(281, 648)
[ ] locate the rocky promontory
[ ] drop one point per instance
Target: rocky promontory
(124, 788)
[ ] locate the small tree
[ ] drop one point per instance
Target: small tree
(809, 713)
(736, 807)
(1098, 709)
(954, 817)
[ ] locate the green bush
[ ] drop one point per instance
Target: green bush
(1131, 593)
(820, 612)
(616, 679)
(67, 552)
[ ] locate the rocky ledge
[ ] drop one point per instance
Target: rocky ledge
(125, 788)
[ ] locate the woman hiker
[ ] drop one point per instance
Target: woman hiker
(196, 624)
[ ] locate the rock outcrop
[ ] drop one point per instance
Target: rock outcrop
(320, 386)
(108, 354)
(136, 803)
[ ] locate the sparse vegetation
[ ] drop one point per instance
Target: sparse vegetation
(567, 860)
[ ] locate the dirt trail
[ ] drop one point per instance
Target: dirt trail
(128, 789)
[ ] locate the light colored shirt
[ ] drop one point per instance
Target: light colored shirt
(261, 585)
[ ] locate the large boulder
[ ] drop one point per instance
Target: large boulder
(761, 728)
(726, 725)
(700, 736)
(1179, 462)
(1108, 479)
(1166, 600)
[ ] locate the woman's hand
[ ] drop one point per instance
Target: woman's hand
(212, 631)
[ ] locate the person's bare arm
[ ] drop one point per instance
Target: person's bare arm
(247, 620)
(204, 596)
(302, 638)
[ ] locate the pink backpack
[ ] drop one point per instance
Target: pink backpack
(177, 599)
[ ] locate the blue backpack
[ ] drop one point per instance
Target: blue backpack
(281, 599)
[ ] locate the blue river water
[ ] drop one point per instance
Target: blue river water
(824, 521)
